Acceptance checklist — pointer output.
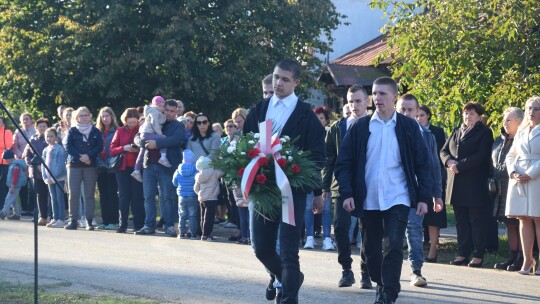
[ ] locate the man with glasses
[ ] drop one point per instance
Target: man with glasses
(157, 176)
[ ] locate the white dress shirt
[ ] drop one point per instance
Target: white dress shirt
(385, 177)
(279, 110)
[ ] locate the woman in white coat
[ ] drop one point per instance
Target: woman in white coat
(523, 164)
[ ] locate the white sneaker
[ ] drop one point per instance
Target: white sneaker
(137, 175)
(82, 222)
(164, 162)
(51, 223)
(58, 224)
(310, 243)
(328, 244)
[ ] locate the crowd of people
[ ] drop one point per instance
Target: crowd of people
(388, 176)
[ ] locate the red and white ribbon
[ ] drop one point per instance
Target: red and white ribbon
(270, 144)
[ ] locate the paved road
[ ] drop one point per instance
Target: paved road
(183, 271)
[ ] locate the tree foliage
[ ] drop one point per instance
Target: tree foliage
(451, 52)
(210, 54)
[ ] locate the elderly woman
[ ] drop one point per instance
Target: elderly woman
(83, 144)
(466, 154)
(107, 186)
(130, 191)
(511, 120)
(523, 165)
(434, 221)
(19, 143)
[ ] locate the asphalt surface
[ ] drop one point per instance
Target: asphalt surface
(171, 270)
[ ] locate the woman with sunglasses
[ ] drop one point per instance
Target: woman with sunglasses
(204, 141)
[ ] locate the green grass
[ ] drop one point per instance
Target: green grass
(24, 293)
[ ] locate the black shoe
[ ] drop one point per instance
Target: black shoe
(387, 301)
(72, 225)
(347, 279)
(476, 265)
(145, 231)
(89, 225)
(121, 230)
(431, 260)
(459, 263)
(301, 279)
(518, 263)
(270, 290)
(379, 295)
(365, 282)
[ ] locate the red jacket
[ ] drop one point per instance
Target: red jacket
(122, 137)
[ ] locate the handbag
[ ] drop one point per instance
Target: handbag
(493, 189)
(110, 163)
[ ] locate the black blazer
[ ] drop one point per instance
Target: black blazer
(350, 168)
(303, 123)
(469, 188)
(440, 139)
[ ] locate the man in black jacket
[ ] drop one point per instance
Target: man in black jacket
(357, 100)
(381, 171)
(294, 118)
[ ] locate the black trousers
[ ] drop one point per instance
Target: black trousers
(130, 193)
(232, 209)
(208, 213)
(42, 197)
(28, 199)
(108, 197)
(342, 224)
(385, 262)
(472, 227)
(286, 265)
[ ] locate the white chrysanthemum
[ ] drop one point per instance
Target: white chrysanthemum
(256, 135)
(283, 140)
(230, 149)
(289, 158)
(233, 143)
(286, 137)
(251, 142)
(242, 153)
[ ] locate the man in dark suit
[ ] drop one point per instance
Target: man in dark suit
(294, 118)
(381, 171)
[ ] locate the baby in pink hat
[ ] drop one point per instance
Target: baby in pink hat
(154, 117)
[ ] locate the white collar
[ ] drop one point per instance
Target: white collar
(287, 101)
(375, 116)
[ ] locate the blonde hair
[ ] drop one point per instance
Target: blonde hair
(23, 115)
(527, 121)
(75, 115)
(114, 122)
(240, 112)
(217, 125)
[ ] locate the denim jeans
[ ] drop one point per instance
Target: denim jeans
(130, 193)
(188, 206)
(326, 216)
(243, 215)
(286, 265)
(415, 236)
(389, 227)
(57, 200)
(11, 200)
(154, 176)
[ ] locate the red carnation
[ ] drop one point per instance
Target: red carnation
(253, 153)
(240, 171)
(261, 179)
(263, 161)
(282, 162)
(295, 169)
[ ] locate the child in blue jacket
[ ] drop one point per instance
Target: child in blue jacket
(188, 205)
(16, 178)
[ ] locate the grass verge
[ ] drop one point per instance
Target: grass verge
(16, 293)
